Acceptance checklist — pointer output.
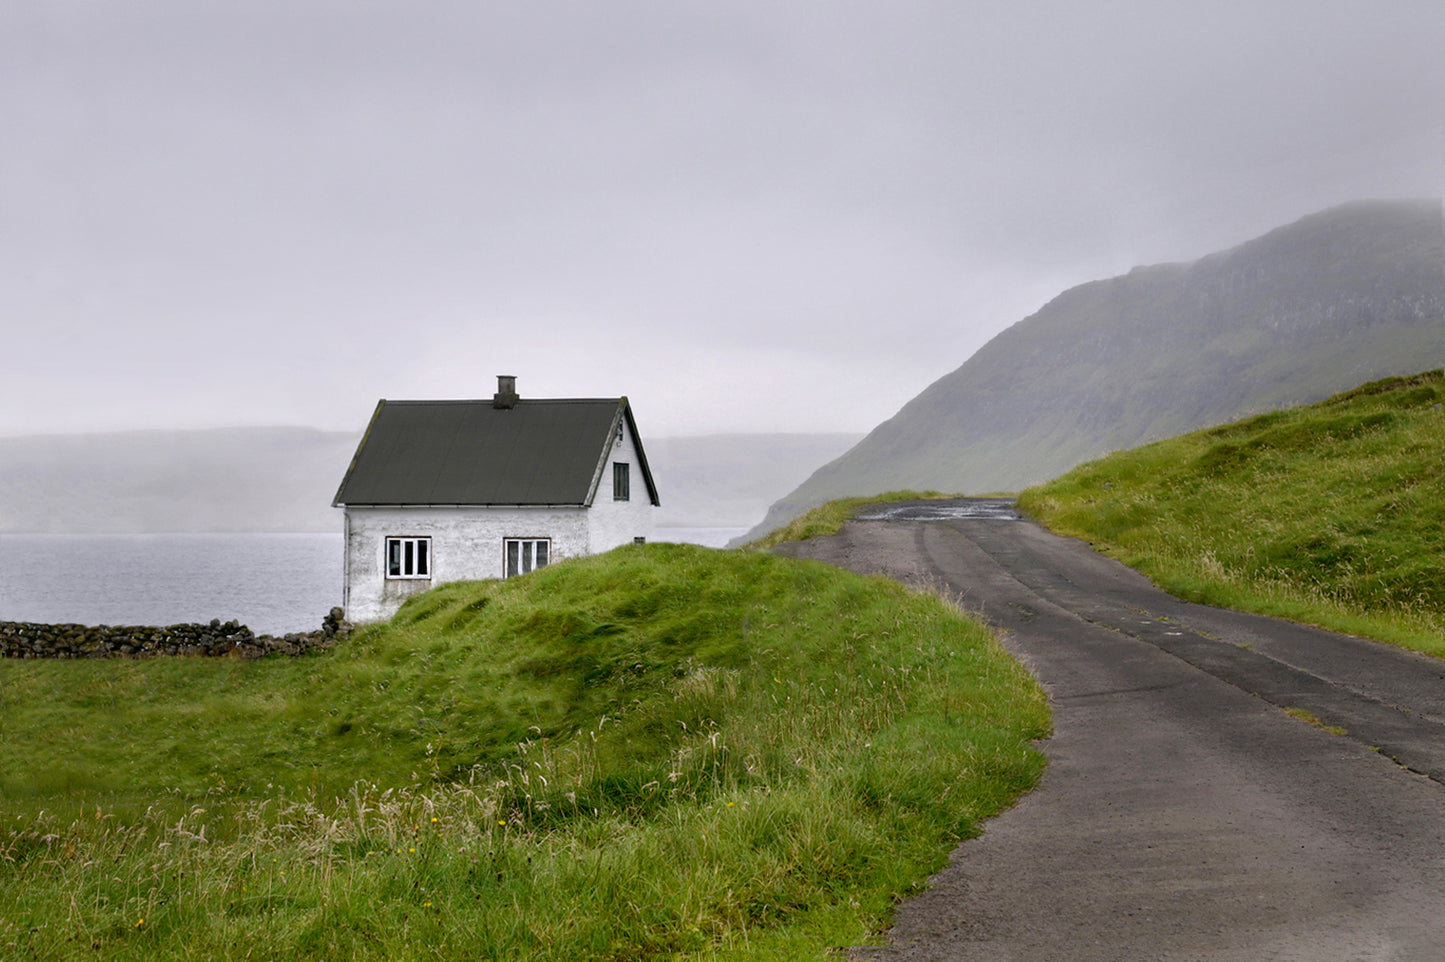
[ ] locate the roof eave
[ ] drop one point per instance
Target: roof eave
(641, 455)
(429, 504)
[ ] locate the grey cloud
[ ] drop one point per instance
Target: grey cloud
(336, 191)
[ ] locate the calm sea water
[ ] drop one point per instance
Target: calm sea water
(274, 583)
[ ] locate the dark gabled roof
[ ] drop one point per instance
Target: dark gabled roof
(470, 452)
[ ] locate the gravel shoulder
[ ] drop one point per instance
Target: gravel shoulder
(1184, 814)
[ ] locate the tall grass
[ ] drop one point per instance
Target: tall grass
(664, 751)
(1332, 513)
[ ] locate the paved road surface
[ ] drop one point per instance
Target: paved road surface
(1184, 815)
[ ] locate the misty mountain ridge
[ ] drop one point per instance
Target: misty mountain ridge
(282, 479)
(1345, 296)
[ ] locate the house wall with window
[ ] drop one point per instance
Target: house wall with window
(620, 516)
(461, 544)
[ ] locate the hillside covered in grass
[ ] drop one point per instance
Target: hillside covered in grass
(1332, 513)
(664, 749)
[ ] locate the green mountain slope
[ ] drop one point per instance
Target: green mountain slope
(1341, 297)
(729, 480)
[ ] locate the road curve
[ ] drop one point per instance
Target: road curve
(1184, 814)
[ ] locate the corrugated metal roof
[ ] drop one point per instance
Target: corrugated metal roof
(469, 452)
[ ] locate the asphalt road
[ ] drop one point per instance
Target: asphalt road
(1184, 814)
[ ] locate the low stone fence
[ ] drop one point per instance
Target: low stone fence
(19, 639)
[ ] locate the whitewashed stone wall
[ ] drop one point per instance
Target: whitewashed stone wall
(466, 544)
(614, 522)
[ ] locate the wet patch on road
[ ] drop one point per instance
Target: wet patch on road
(945, 509)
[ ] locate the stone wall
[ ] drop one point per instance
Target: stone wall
(31, 640)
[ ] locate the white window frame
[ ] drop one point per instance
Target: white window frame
(527, 555)
(621, 481)
(407, 558)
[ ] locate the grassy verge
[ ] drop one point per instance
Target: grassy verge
(665, 751)
(1332, 514)
(826, 519)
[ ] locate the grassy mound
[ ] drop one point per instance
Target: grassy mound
(663, 750)
(1332, 514)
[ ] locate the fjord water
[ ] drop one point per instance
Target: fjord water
(272, 583)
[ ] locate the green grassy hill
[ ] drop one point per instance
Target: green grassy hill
(1332, 513)
(1337, 299)
(664, 749)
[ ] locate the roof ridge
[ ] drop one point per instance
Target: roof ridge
(525, 400)
(469, 451)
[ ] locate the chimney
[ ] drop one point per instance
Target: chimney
(506, 396)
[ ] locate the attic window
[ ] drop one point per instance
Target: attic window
(526, 554)
(620, 482)
(408, 557)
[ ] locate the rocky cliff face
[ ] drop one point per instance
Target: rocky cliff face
(1341, 297)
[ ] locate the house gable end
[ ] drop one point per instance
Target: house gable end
(604, 455)
(641, 455)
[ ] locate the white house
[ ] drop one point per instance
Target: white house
(456, 490)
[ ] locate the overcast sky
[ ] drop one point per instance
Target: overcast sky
(781, 216)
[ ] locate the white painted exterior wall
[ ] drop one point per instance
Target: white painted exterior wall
(612, 522)
(467, 542)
